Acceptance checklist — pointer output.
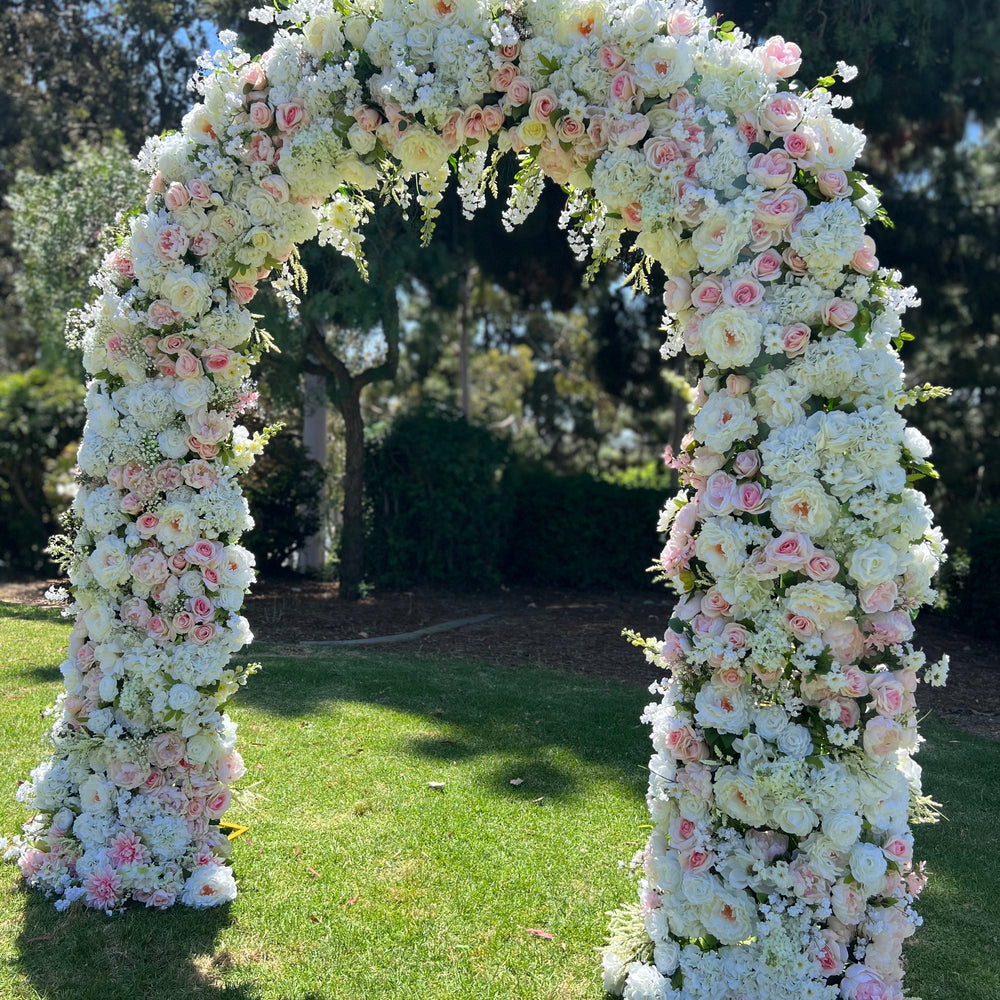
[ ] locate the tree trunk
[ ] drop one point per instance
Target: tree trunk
(314, 439)
(464, 297)
(352, 532)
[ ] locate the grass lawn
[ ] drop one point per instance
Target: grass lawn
(360, 881)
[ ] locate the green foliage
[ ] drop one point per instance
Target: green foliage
(981, 595)
(578, 531)
(437, 515)
(60, 239)
(283, 488)
(41, 413)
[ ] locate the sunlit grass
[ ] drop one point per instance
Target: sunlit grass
(359, 880)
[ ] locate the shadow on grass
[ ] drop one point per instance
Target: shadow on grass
(31, 613)
(83, 955)
(528, 717)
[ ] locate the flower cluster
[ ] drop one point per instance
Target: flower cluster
(782, 780)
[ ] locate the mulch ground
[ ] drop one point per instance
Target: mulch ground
(576, 631)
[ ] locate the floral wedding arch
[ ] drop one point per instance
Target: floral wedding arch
(782, 782)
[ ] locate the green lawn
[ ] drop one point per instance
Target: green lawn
(360, 881)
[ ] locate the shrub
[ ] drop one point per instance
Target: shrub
(41, 412)
(981, 594)
(283, 488)
(578, 531)
(436, 513)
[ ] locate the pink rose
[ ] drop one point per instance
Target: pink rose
(150, 568)
(474, 124)
(623, 87)
(503, 77)
(888, 695)
(509, 51)
(493, 118)
(714, 604)
(186, 365)
(368, 118)
(210, 577)
(781, 114)
(840, 313)
(173, 343)
(660, 152)
(717, 496)
(845, 641)
(751, 498)
(202, 608)
(779, 211)
(135, 612)
(848, 903)
(747, 463)
(674, 646)
(254, 76)
(773, 169)
(681, 23)
(230, 768)
(610, 58)
(736, 636)
(882, 736)
(744, 293)
(737, 385)
(833, 184)
(172, 242)
(864, 260)
(799, 625)
(801, 146)
(199, 475)
(242, 291)
(780, 59)
(695, 859)
(177, 563)
(789, 552)
(176, 196)
(848, 712)
(277, 187)
(157, 629)
(518, 91)
(204, 552)
(260, 114)
(544, 103)
(879, 598)
(766, 266)
(707, 293)
(291, 116)
(182, 622)
(822, 566)
(167, 476)
(131, 503)
(201, 634)
(166, 749)
(218, 803)
(200, 192)
(795, 262)
(795, 339)
(160, 313)
(684, 744)
(862, 983)
(259, 148)
(677, 294)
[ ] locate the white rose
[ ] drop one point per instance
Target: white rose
(795, 741)
(202, 747)
(871, 564)
(699, 887)
(188, 292)
(842, 828)
(730, 916)
(868, 866)
(96, 794)
(770, 721)
(731, 337)
(190, 394)
(420, 150)
(173, 442)
(803, 506)
(736, 795)
(183, 698)
(796, 818)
